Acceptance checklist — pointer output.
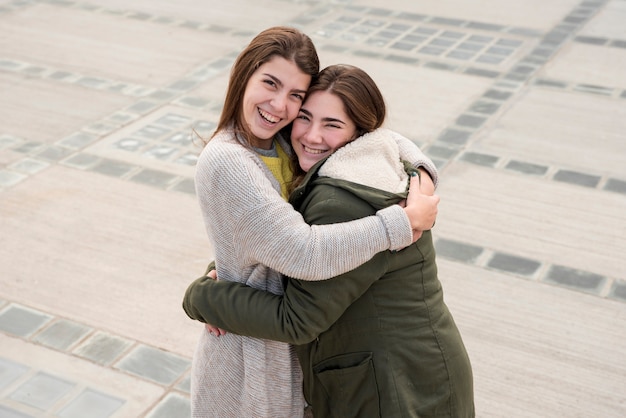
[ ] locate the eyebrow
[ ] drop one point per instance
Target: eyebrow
(309, 114)
(280, 83)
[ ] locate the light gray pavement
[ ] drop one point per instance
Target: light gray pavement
(522, 104)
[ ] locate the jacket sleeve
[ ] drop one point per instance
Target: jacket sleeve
(410, 152)
(306, 309)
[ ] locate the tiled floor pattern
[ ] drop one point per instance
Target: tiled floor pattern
(171, 137)
(28, 392)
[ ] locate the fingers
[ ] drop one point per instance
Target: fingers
(427, 186)
(421, 208)
(212, 274)
(214, 330)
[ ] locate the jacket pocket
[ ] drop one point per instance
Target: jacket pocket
(347, 386)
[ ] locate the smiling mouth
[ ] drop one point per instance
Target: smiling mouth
(268, 117)
(314, 151)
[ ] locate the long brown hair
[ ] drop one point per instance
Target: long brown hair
(282, 41)
(362, 100)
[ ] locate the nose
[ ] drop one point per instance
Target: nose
(313, 134)
(279, 102)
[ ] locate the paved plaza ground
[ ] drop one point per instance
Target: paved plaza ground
(521, 104)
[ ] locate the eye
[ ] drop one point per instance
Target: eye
(302, 116)
(269, 82)
(298, 96)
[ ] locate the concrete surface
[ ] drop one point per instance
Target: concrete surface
(521, 104)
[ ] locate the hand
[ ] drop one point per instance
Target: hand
(218, 332)
(420, 208)
(427, 186)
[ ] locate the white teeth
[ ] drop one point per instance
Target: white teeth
(313, 151)
(268, 117)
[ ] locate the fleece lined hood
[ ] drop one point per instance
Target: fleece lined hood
(372, 160)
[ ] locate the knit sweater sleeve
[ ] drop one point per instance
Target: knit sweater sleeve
(237, 198)
(410, 152)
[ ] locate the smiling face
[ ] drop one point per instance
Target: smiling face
(272, 99)
(322, 126)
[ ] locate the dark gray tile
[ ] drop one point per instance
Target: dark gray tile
(21, 321)
(142, 107)
(130, 144)
(152, 132)
(29, 147)
(155, 178)
(452, 34)
(426, 30)
(160, 152)
(93, 404)
(497, 94)
(62, 334)
(511, 43)
(461, 55)
(618, 43)
(81, 161)
(431, 50)
(142, 360)
(490, 59)
(416, 39)
(78, 140)
(10, 371)
(514, 264)
(102, 348)
(577, 279)
(470, 121)
(42, 391)
(447, 21)
(523, 69)
(526, 168)
(53, 153)
(173, 406)
(379, 12)
(441, 152)
(481, 39)
(412, 16)
(480, 159)
(441, 66)
(574, 177)
(468, 46)
(6, 412)
(457, 250)
(454, 136)
(605, 91)
(400, 58)
(487, 108)
(403, 46)
(485, 26)
(550, 83)
(618, 291)
(113, 168)
(591, 40)
(615, 185)
(442, 42)
(398, 27)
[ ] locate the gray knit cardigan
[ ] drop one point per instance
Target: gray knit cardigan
(258, 236)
